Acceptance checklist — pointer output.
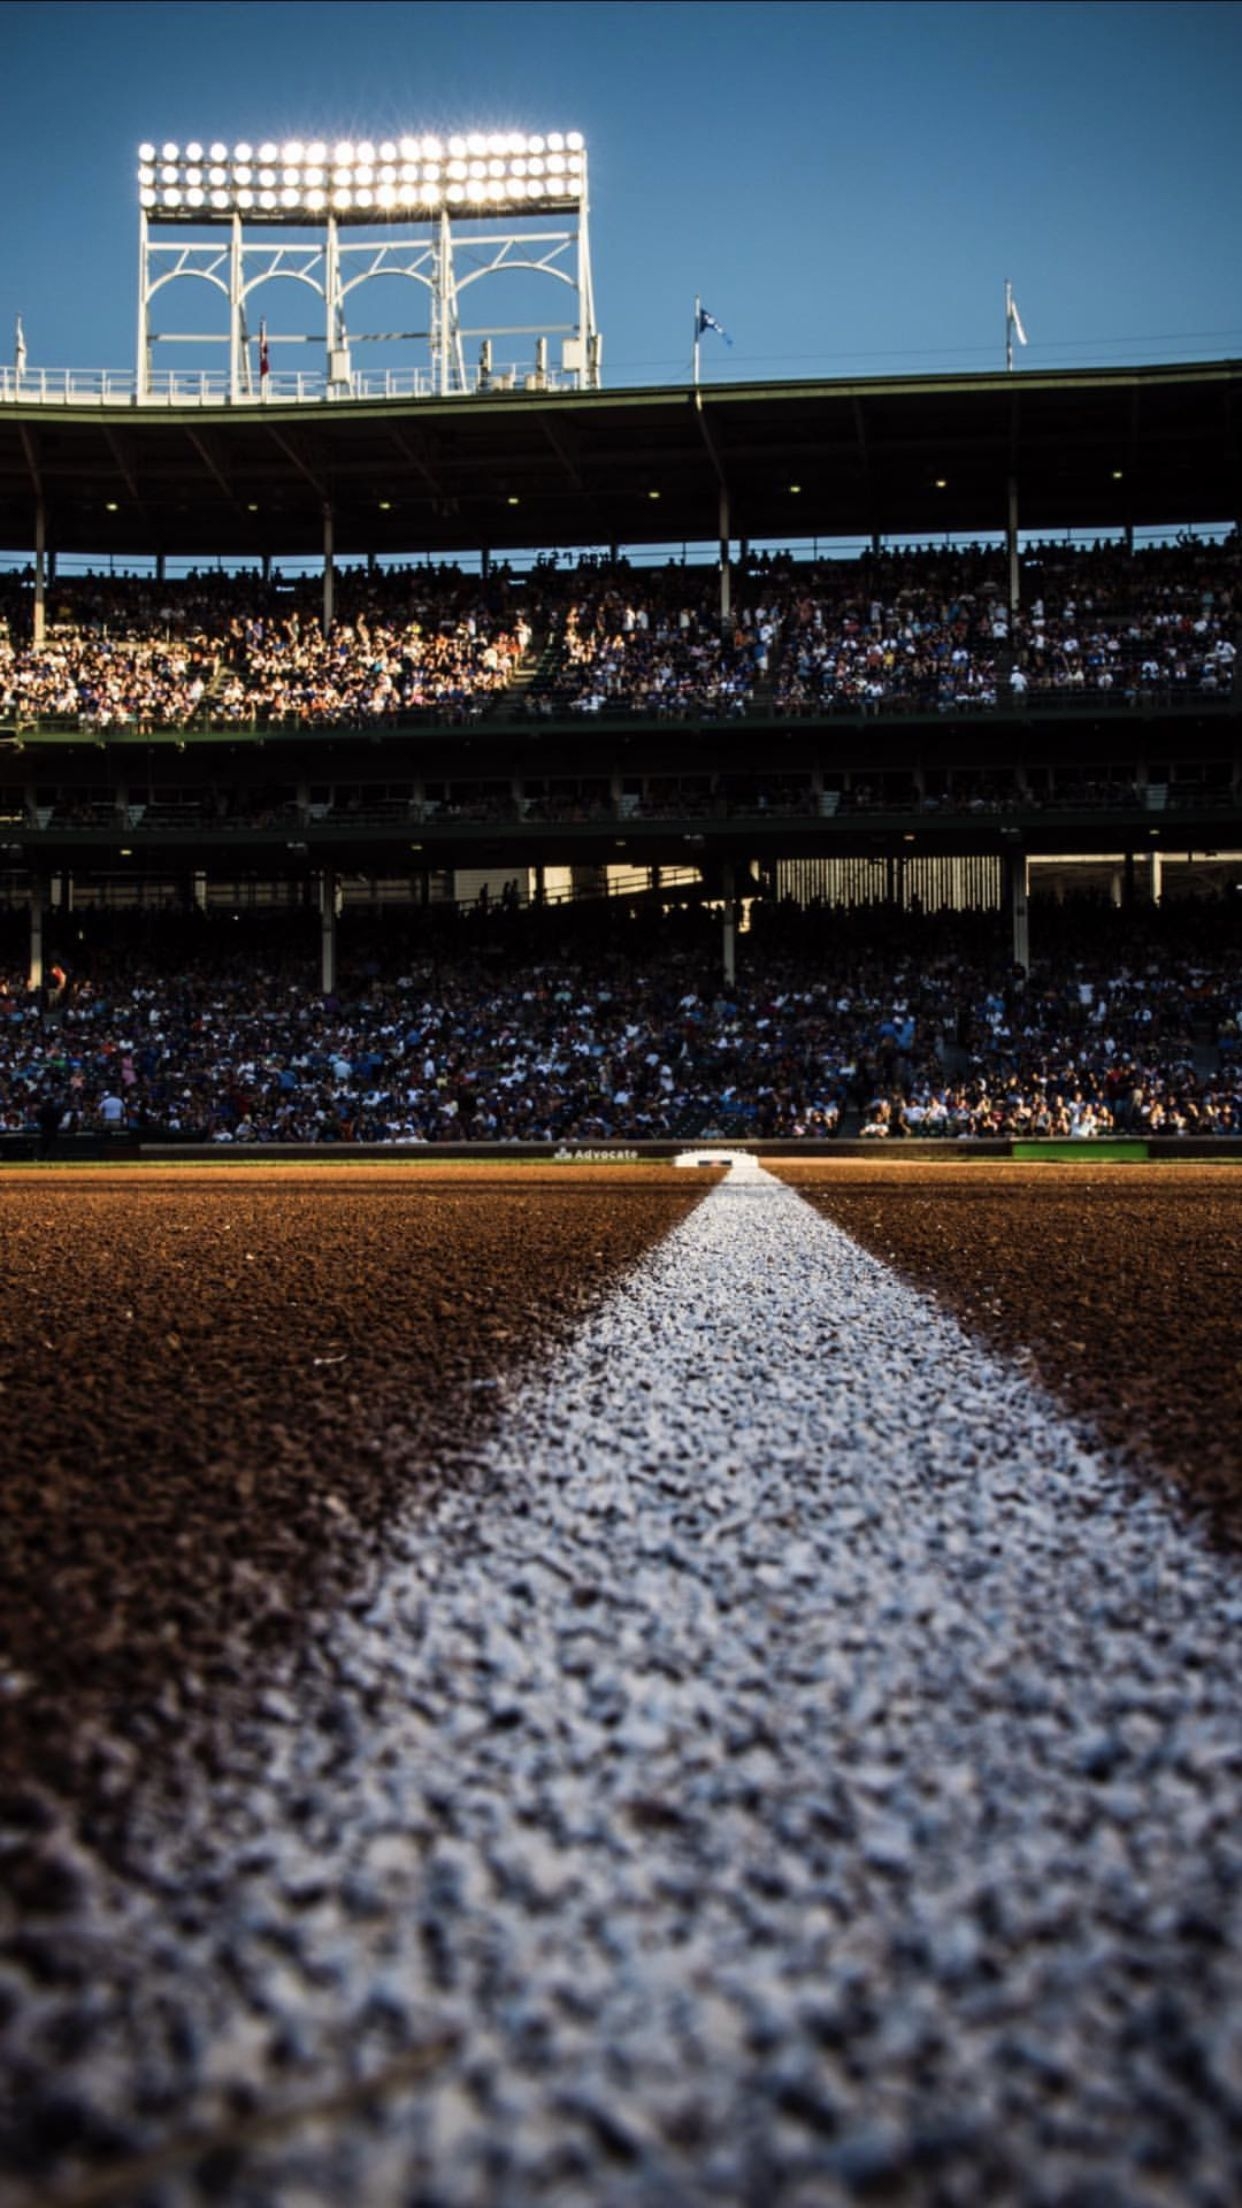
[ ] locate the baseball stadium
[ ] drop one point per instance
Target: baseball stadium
(620, 1132)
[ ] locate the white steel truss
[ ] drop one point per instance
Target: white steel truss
(446, 256)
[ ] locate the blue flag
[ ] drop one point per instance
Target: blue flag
(708, 322)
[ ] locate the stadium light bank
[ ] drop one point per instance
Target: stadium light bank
(214, 212)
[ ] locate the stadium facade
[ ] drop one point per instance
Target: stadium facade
(864, 805)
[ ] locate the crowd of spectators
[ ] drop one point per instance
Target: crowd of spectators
(939, 635)
(239, 653)
(926, 630)
(611, 1023)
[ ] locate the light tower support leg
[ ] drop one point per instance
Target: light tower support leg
(142, 364)
(236, 309)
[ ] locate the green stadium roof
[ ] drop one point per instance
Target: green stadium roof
(1094, 449)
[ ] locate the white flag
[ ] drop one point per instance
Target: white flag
(19, 348)
(1016, 319)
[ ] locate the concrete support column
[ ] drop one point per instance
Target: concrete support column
(327, 931)
(616, 790)
(40, 594)
(329, 577)
(730, 924)
(35, 975)
(541, 886)
(1157, 876)
(161, 568)
(1011, 543)
(265, 568)
(725, 607)
(1018, 870)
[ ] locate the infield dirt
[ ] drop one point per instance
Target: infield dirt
(219, 1387)
(1118, 1285)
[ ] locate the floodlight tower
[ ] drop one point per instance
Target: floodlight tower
(443, 213)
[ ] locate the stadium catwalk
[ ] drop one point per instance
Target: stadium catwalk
(797, 1766)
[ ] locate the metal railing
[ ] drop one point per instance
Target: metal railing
(211, 387)
(198, 818)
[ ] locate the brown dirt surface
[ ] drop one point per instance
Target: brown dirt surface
(1119, 1283)
(217, 1389)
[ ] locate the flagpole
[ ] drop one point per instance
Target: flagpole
(1008, 326)
(698, 315)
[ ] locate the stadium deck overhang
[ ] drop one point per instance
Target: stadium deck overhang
(1094, 449)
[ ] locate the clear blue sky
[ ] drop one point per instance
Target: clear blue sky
(846, 186)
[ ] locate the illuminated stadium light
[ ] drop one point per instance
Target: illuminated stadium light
(423, 198)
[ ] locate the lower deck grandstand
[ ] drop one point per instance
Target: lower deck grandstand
(613, 1022)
